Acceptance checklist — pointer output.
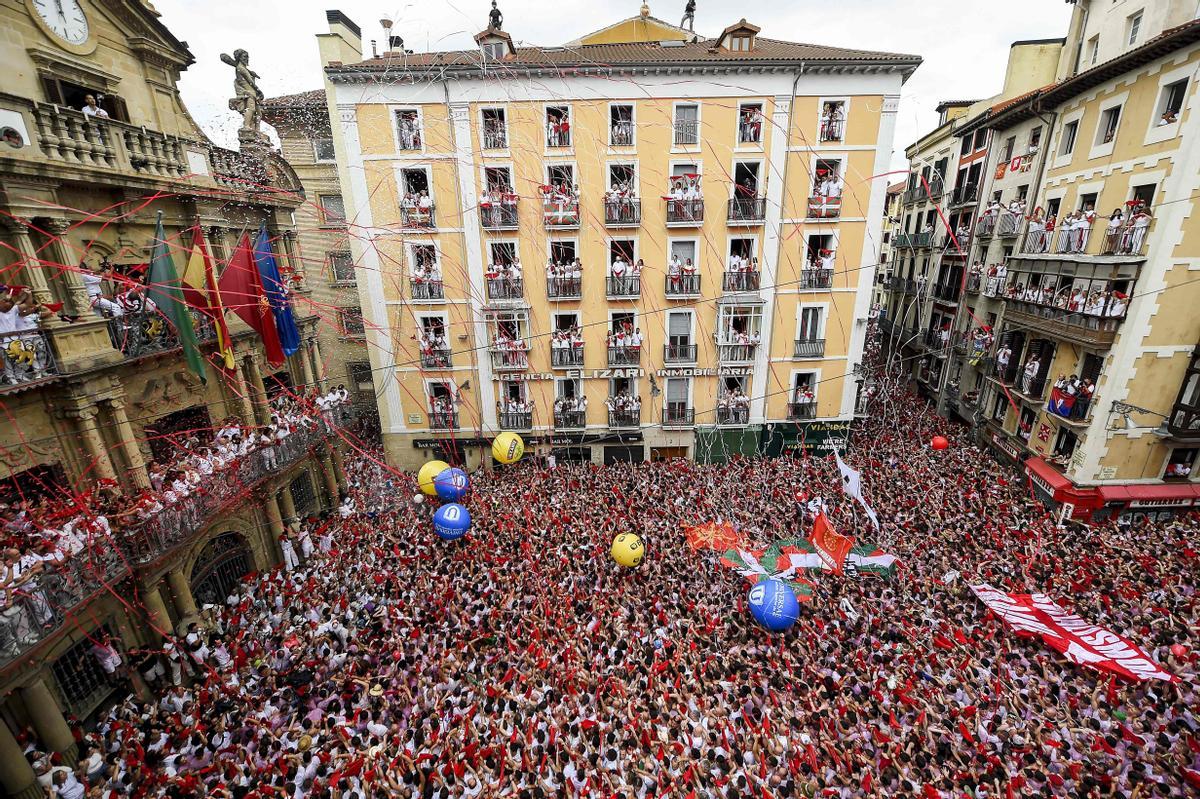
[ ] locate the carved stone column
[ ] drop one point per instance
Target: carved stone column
(156, 611)
(258, 390)
(181, 594)
(318, 366)
(339, 466)
(64, 259)
(16, 775)
(291, 251)
(287, 505)
(330, 476)
(214, 237)
(131, 452)
(99, 463)
(48, 722)
(32, 271)
(241, 386)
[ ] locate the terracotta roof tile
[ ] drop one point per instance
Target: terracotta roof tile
(639, 53)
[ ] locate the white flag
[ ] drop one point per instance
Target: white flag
(852, 484)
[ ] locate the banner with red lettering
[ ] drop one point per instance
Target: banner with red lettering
(1079, 640)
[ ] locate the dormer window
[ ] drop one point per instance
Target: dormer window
(739, 38)
(495, 44)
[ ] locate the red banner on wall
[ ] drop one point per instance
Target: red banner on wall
(1079, 640)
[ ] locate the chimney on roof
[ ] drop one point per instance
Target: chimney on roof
(343, 44)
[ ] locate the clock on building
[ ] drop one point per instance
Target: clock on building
(64, 18)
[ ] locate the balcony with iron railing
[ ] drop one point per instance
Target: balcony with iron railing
(560, 214)
(443, 420)
(1078, 413)
(823, 207)
(570, 420)
(986, 226)
(621, 134)
(55, 596)
(809, 348)
(733, 416)
(26, 358)
(679, 353)
(947, 292)
(816, 278)
(737, 353)
(564, 288)
(682, 285)
(566, 357)
(1096, 330)
(505, 288)
(799, 411)
(625, 417)
(146, 332)
(687, 132)
(495, 136)
(625, 287)
(506, 359)
(516, 420)
(499, 216)
(678, 415)
(832, 129)
(1030, 387)
(736, 282)
(624, 356)
(965, 194)
(685, 213)
(426, 290)
(622, 213)
(438, 358)
(418, 217)
(974, 284)
(1009, 224)
(747, 210)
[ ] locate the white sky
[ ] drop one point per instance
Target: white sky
(965, 44)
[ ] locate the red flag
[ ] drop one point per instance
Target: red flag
(832, 547)
(242, 291)
(199, 284)
(962, 728)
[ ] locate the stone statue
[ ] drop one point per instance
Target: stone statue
(248, 97)
(495, 18)
(689, 16)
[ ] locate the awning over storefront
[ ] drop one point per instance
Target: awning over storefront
(1058, 488)
(1153, 494)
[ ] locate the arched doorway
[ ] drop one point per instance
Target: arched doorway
(221, 565)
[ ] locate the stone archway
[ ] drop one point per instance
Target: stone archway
(221, 565)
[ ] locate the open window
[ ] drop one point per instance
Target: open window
(558, 126)
(750, 123)
(620, 130)
(495, 129)
(833, 120)
(63, 92)
(408, 129)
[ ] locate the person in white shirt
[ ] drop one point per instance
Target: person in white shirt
(92, 109)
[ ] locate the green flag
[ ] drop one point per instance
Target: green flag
(164, 290)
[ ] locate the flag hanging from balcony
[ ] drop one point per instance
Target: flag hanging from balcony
(200, 289)
(242, 290)
(277, 294)
(163, 289)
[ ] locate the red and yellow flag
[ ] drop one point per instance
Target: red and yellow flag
(832, 547)
(712, 535)
(199, 284)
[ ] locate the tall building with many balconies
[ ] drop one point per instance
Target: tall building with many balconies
(94, 397)
(645, 243)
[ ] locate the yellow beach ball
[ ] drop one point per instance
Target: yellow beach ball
(508, 448)
(628, 550)
(427, 473)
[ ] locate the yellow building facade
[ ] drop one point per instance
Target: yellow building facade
(780, 143)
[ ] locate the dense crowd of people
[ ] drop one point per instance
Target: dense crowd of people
(521, 661)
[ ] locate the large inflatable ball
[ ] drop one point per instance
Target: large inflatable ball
(451, 521)
(628, 550)
(451, 484)
(426, 475)
(508, 448)
(939, 442)
(773, 605)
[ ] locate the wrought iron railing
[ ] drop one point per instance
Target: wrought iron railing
(685, 212)
(435, 359)
(498, 216)
(570, 420)
(566, 357)
(516, 420)
(737, 353)
(624, 286)
(816, 278)
(624, 356)
(687, 131)
(733, 416)
(505, 288)
(802, 410)
(679, 353)
(625, 418)
(564, 288)
(682, 285)
(678, 416)
(809, 348)
(417, 217)
(740, 281)
(26, 357)
(747, 209)
(619, 213)
(506, 359)
(443, 420)
(427, 290)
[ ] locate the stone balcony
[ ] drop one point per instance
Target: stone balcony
(107, 151)
(54, 597)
